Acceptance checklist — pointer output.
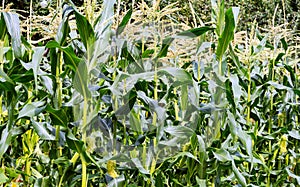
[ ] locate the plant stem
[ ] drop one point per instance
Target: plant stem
(84, 171)
(115, 103)
(176, 109)
(249, 95)
(27, 170)
(1, 117)
(58, 99)
(83, 161)
(1, 68)
(271, 117)
(11, 111)
(1, 54)
(155, 93)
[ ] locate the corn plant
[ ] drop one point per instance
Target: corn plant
(94, 107)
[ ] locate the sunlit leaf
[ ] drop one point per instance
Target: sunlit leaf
(238, 175)
(227, 35)
(3, 177)
(42, 131)
(236, 88)
(81, 80)
(179, 131)
(222, 155)
(278, 86)
(138, 164)
(153, 104)
(87, 34)
(64, 28)
(4, 141)
(295, 134)
(293, 175)
(36, 60)
(13, 26)
(32, 109)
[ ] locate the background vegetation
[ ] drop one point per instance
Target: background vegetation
(118, 93)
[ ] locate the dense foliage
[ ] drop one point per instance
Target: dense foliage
(122, 101)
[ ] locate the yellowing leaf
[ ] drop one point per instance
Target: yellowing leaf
(111, 165)
(283, 144)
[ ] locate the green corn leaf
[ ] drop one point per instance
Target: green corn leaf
(64, 28)
(36, 60)
(237, 130)
(185, 34)
(238, 175)
(5, 81)
(48, 82)
(135, 122)
(180, 75)
(222, 155)
(77, 145)
(153, 105)
(292, 73)
(228, 33)
(284, 44)
(58, 117)
(160, 180)
(229, 94)
(164, 47)
(3, 177)
(107, 14)
(70, 58)
(241, 70)
(86, 31)
(81, 80)
(13, 26)
(278, 86)
(3, 28)
(236, 88)
(187, 154)
(53, 60)
(192, 33)
(69, 55)
(218, 8)
(139, 165)
(202, 146)
(42, 181)
(23, 78)
(42, 131)
(260, 47)
(179, 131)
(5, 141)
(124, 22)
(53, 44)
(184, 97)
(126, 108)
(32, 109)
